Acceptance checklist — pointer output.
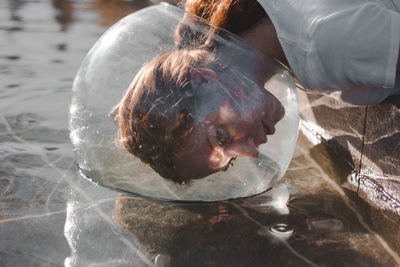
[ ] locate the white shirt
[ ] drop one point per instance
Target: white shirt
(349, 45)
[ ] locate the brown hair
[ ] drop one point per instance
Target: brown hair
(234, 16)
(154, 120)
(152, 123)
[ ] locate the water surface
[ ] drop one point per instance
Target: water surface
(50, 216)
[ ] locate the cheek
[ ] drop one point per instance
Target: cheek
(197, 153)
(217, 158)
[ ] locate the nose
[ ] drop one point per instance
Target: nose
(268, 126)
(274, 109)
(246, 148)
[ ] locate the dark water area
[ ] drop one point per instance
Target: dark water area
(51, 216)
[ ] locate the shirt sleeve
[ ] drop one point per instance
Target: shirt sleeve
(338, 44)
(355, 48)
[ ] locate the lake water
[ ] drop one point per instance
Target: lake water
(50, 215)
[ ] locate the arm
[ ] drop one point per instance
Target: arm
(356, 48)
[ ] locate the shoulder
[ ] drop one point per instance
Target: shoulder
(357, 45)
(337, 44)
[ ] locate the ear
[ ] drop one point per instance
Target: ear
(203, 75)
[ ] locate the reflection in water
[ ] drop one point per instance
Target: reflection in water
(320, 228)
(40, 191)
(14, 7)
(65, 15)
(281, 229)
(16, 19)
(324, 224)
(229, 234)
(110, 11)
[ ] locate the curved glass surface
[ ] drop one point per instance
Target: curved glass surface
(168, 107)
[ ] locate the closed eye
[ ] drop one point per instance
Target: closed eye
(220, 138)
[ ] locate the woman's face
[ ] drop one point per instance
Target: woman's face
(228, 133)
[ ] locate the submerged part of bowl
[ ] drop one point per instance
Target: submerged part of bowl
(224, 105)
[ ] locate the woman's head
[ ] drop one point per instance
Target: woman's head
(188, 115)
(151, 124)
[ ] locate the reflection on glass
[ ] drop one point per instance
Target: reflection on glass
(200, 101)
(188, 115)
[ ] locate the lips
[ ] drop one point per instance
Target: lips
(230, 163)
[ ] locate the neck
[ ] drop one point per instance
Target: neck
(263, 37)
